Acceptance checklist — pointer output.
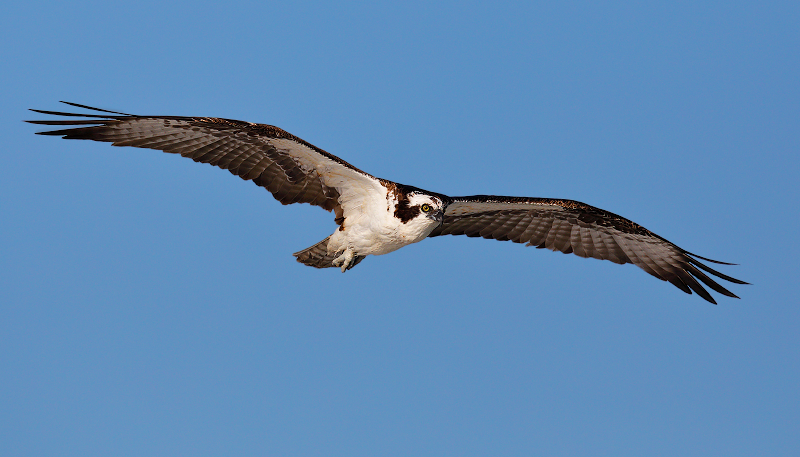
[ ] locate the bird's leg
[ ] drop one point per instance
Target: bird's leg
(345, 260)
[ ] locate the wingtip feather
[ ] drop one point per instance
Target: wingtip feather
(93, 108)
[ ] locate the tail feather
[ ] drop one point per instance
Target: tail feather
(317, 256)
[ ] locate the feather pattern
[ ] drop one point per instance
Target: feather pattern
(291, 169)
(576, 228)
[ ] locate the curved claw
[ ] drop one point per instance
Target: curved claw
(345, 260)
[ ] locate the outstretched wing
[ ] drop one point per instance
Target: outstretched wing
(292, 169)
(574, 227)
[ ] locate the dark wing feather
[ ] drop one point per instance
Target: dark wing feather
(292, 169)
(574, 227)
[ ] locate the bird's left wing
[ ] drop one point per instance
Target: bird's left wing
(573, 227)
(293, 170)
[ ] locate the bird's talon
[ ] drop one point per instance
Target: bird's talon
(344, 260)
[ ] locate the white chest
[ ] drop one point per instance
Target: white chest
(371, 227)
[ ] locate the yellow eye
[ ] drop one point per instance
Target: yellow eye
(426, 208)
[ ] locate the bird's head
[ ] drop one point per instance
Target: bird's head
(427, 206)
(418, 210)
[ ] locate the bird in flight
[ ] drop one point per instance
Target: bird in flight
(376, 216)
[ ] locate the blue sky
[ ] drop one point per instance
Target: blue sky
(151, 305)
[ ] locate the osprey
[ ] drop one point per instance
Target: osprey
(377, 216)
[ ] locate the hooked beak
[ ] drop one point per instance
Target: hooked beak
(438, 216)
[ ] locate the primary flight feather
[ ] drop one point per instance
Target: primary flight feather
(376, 216)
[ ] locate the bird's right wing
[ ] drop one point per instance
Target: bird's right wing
(293, 170)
